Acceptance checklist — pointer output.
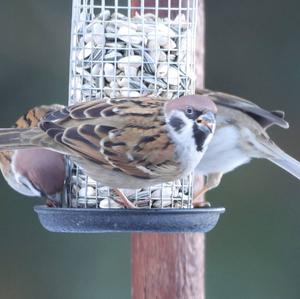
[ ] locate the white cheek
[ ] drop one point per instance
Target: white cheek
(185, 143)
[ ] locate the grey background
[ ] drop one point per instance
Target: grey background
(252, 50)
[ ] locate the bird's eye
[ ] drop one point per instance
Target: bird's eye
(189, 110)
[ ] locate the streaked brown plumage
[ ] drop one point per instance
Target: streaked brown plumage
(34, 172)
(126, 143)
(240, 136)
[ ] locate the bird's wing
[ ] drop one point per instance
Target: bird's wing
(127, 135)
(264, 117)
(33, 116)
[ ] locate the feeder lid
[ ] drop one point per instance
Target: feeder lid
(127, 220)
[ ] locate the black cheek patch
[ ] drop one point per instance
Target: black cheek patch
(177, 123)
(199, 137)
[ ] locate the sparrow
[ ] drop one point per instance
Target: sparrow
(128, 142)
(239, 137)
(35, 172)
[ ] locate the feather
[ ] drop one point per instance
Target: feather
(120, 142)
(264, 117)
(131, 143)
(280, 158)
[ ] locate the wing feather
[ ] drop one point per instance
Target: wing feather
(264, 117)
(127, 134)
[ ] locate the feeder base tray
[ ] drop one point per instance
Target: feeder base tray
(74, 220)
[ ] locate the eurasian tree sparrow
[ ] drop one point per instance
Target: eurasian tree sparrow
(125, 143)
(35, 172)
(240, 136)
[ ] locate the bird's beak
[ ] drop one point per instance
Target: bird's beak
(208, 119)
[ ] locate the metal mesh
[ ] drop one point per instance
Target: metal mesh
(130, 49)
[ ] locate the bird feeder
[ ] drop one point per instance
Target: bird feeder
(130, 49)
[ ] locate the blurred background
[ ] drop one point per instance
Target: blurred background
(252, 50)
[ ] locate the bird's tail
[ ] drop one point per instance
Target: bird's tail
(14, 138)
(282, 159)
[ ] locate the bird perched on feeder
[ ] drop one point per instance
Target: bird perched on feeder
(240, 136)
(35, 172)
(125, 143)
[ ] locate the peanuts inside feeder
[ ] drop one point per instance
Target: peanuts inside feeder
(119, 50)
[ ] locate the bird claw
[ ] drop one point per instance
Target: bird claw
(201, 204)
(124, 200)
(50, 203)
(125, 205)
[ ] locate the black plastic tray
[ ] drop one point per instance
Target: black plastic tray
(128, 220)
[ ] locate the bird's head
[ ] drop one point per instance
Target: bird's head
(192, 118)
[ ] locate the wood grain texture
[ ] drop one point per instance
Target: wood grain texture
(168, 266)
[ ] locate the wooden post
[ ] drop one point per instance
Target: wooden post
(168, 266)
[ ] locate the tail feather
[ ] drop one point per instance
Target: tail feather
(282, 159)
(14, 138)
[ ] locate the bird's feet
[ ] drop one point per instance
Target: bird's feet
(124, 200)
(197, 204)
(51, 203)
(198, 201)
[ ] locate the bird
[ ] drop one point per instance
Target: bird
(241, 135)
(35, 172)
(127, 142)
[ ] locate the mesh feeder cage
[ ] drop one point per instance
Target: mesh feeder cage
(130, 49)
